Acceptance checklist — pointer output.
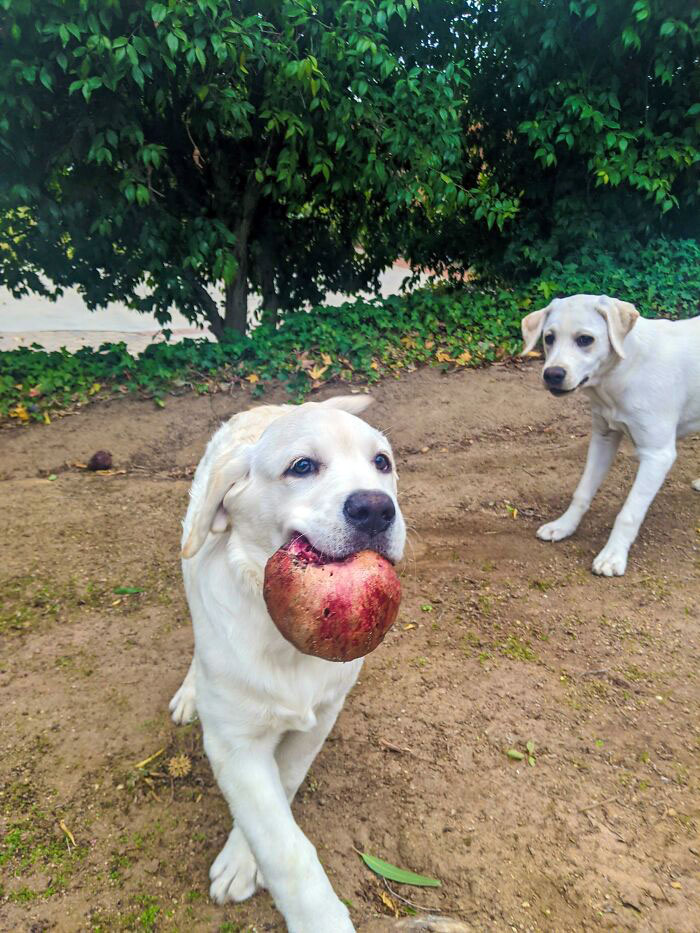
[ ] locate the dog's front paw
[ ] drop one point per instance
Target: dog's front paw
(696, 485)
(555, 531)
(234, 873)
(611, 562)
(183, 706)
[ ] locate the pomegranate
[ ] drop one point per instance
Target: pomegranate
(338, 610)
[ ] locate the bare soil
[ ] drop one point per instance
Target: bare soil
(502, 640)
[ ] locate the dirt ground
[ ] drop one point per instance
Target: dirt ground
(502, 640)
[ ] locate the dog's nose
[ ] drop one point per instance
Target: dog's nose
(369, 511)
(554, 376)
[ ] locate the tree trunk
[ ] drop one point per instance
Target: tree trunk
(211, 311)
(237, 291)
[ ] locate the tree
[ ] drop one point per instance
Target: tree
(586, 115)
(187, 152)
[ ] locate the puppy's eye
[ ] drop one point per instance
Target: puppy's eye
(382, 463)
(304, 466)
(585, 340)
(549, 339)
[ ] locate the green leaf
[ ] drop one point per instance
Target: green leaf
(127, 590)
(530, 747)
(399, 875)
(515, 754)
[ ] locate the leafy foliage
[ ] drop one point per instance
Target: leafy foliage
(585, 115)
(446, 326)
(183, 153)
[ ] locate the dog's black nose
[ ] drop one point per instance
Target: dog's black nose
(554, 376)
(370, 511)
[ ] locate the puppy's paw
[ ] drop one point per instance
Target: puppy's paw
(183, 706)
(696, 485)
(234, 873)
(611, 562)
(555, 531)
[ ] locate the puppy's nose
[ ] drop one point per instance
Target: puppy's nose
(554, 376)
(369, 511)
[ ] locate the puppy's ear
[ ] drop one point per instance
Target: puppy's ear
(531, 326)
(226, 475)
(620, 316)
(352, 403)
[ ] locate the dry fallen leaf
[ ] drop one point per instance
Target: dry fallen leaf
(389, 902)
(253, 377)
(147, 761)
(69, 835)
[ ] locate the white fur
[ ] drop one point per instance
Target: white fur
(642, 378)
(265, 708)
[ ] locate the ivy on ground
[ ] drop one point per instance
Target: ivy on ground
(360, 341)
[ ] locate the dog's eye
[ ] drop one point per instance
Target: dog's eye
(304, 466)
(382, 463)
(549, 339)
(585, 340)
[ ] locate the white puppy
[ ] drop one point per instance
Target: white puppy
(642, 378)
(267, 475)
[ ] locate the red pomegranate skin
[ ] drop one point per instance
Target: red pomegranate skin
(336, 610)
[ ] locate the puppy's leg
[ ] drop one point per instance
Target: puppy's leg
(696, 485)
(249, 778)
(653, 466)
(297, 750)
(183, 706)
(601, 453)
(235, 874)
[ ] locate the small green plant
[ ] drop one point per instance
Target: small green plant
(515, 755)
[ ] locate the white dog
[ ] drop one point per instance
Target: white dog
(643, 380)
(267, 475)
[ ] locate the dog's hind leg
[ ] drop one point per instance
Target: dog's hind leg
(183, 706)
(696, 485)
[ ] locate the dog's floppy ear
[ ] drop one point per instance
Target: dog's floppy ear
(352, 403)
(211, 515)
(620, 316)
(532, 325)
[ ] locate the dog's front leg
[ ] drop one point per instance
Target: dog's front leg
(297, 750)
(601, 453)
(654, 464)
(249, 778)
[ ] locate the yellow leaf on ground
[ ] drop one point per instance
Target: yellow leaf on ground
(463, 358)
(389, 902)
(69, 835)
(253, 377)
(374, 365)
(19, 411)
(443, 356)
(95, 387)
(326, 359)
(317, 371)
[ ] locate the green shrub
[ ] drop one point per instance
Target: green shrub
(445, 325)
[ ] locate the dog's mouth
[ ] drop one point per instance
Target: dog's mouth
(555, 391)
(304, 552)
